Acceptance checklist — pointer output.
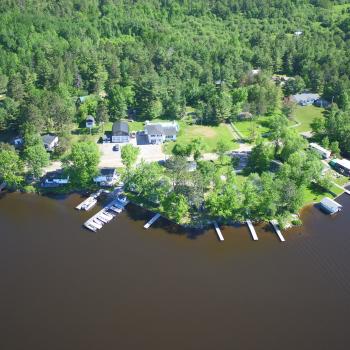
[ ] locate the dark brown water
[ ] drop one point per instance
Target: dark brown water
(63, 287)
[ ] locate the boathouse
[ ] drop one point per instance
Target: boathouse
(330, 206)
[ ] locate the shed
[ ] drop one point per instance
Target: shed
(244, 116)
(90, 121)
(120, 131)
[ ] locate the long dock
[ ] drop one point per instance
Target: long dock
(252, 230)
(218, 231)
(105, 215)
(274, 224)
(149, 223)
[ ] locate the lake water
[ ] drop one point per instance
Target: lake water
(63, 287)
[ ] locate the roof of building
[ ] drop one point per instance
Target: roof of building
(167, 129)
(331, 205)
(319, 148)
(154, 129)
(107, 171)
(48, 138)
(345, 163)
(83, 98)
(120, 126)
(56, 175)
(306, 97)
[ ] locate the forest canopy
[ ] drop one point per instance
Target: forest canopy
(157, 57)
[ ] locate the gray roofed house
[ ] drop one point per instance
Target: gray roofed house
(120, 131)
(306, 98)
(160, 132)
(50, 141)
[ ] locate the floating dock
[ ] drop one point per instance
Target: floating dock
(274, 224)
(218, 231)
(105, 215)
(252, 230)
(90, 202)
(149, 223)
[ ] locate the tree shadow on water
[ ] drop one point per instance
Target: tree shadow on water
(137, 213)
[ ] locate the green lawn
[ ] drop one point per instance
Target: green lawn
(315, 193)
(305, 115)
(210, 135)
(246, 127)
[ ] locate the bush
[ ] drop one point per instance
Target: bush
(29, 189)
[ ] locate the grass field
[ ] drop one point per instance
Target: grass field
(305, 115)
(246, 127)
(210, 135)
(315, 193)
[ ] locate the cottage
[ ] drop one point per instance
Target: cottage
(81, 99)
(107, 177)
(90, 122)
(341, 165)
(244, 116)
(305, 99)
(55, 179)
(159, 132)
(120, 131)
(321, 102)
(320, 150)
(330, 206)
(50, 142)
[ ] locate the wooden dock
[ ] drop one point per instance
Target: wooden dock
(252, 230)
(105, 215)
(89, 202)
(149, 223)
(274, 224)
(218, 231)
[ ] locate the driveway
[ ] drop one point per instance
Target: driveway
(149, 153)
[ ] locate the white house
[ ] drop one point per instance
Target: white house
(160, 132)
(90, 122)
(55, 179)
(50, 141)
(107, 177)
(120, 132)
(306, 98)
(320, 150)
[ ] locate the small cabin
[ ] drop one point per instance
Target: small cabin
(330, 206)
(107, 177)
(50, 142)
(244, 116)
(55, 179)
(90, 122)
(320, 150)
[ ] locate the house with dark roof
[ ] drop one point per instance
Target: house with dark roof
(160, 132)
(50, 141)
(55, 179)
(120, 131)
(107, 177)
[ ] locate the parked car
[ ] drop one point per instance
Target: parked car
(116, 148)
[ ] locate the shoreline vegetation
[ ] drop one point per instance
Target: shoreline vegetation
(236, 76)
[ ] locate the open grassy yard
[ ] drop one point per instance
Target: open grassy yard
(210, 135)
(315, 193)
(305, 115)
(247, 127)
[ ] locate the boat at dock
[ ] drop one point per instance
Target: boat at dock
(106, 214)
